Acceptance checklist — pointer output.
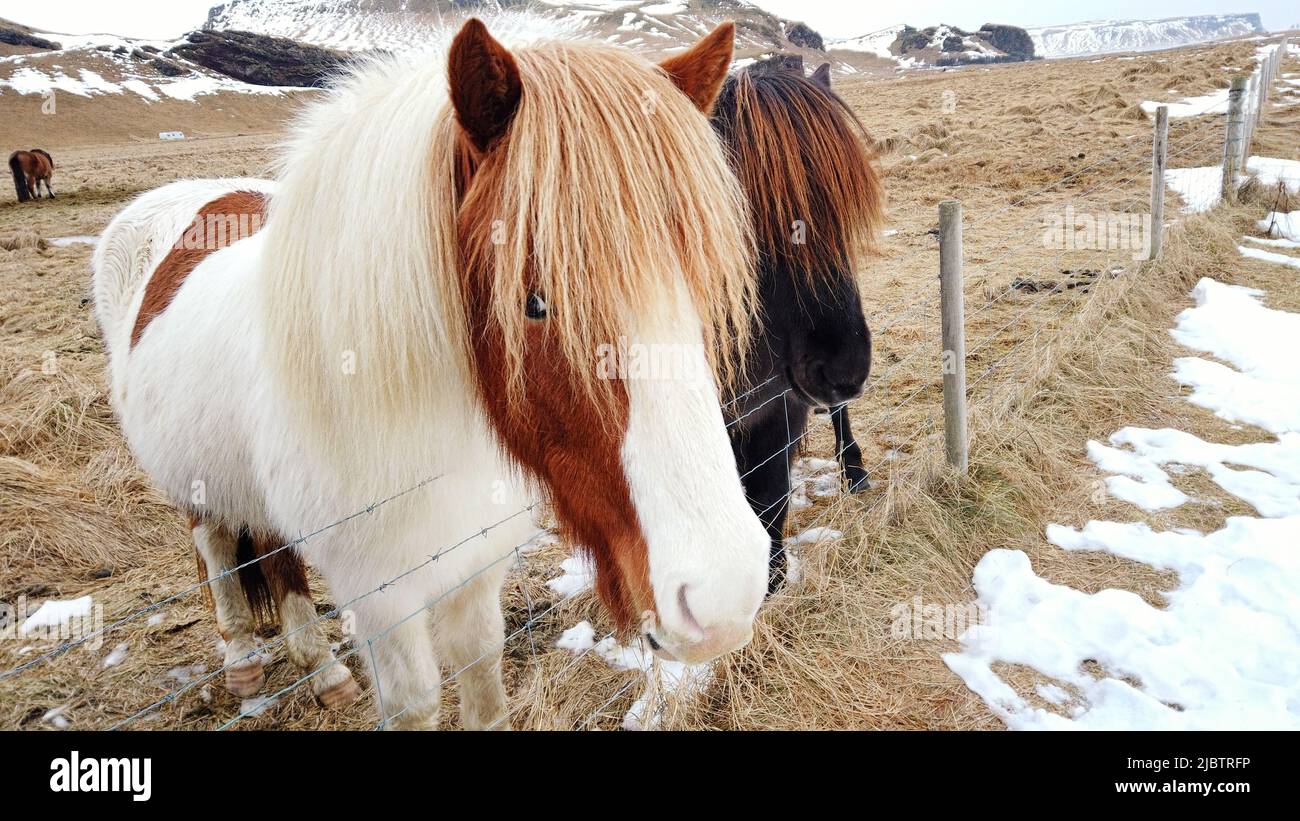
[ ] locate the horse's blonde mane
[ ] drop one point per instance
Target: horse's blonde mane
(612, 190)
(612, 194)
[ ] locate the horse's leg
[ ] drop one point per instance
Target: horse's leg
(470, 631)
(48, 189)
(393, 637)
(307, 647)
(764, 453)
(217, 550)
(847, 451)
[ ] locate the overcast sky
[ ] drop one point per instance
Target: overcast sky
(833, 18)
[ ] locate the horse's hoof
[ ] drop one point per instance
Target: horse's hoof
(340, 695)
(246, 679)
(859, 484)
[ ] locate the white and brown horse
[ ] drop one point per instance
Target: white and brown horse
(344, 347)
(30, 169)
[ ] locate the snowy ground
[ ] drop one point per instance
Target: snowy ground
(1199, 187)
(1225, 650)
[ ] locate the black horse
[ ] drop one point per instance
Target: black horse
(817, 201)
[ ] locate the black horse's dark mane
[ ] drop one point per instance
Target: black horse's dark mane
(804, 159)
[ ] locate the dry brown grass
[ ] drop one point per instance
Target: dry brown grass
(77, 517)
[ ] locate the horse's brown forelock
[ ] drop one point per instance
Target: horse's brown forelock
(802, 155)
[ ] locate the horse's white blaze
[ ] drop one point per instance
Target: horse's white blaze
(703, 539)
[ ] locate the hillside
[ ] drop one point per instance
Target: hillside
(54, 95)
(937, 46)
(1108, 36)
(646, 25)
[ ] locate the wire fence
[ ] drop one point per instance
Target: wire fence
(1017, 326)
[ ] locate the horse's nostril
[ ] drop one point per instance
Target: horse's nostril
(686, 610)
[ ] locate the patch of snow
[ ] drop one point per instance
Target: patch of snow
(1264, 386)
(1269, 256)
(1225, 651)
(1272, 488)
(578, 639)
(877, 42)
(1286, 225)
(56, 718)
(54, 613)
(662, 678)
(1271, 172)
(579, 576)
(186, 673)
(1273, 243)
(813, 536)
(81, 239)
(1216, 102)
(1198, 187)
(117, 656)
(251, 707)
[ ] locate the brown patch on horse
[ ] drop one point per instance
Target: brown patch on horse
(268, 574)
(244, 207)
(700, 71)
(583, 469)
(808, 168)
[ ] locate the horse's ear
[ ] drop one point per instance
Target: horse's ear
(822, 76)
(700, 71)
(485, 85)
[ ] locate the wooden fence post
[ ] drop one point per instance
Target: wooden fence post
(1232, 160)
(1159, 157)
(956, 437)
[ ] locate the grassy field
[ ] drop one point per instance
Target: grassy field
(1064, 345)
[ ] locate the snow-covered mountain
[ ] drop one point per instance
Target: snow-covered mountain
(941, 45)
(648, 25)
(1106, 36)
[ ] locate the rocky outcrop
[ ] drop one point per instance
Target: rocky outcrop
(259, 59)
(803, 36)
(945, 45)
(1011, 40)
(17, 36)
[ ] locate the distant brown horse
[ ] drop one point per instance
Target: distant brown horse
(30, 169)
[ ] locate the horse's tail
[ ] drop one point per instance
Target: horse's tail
(268, 574)
(20, 179)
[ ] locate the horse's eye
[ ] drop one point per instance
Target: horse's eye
(536, 307)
